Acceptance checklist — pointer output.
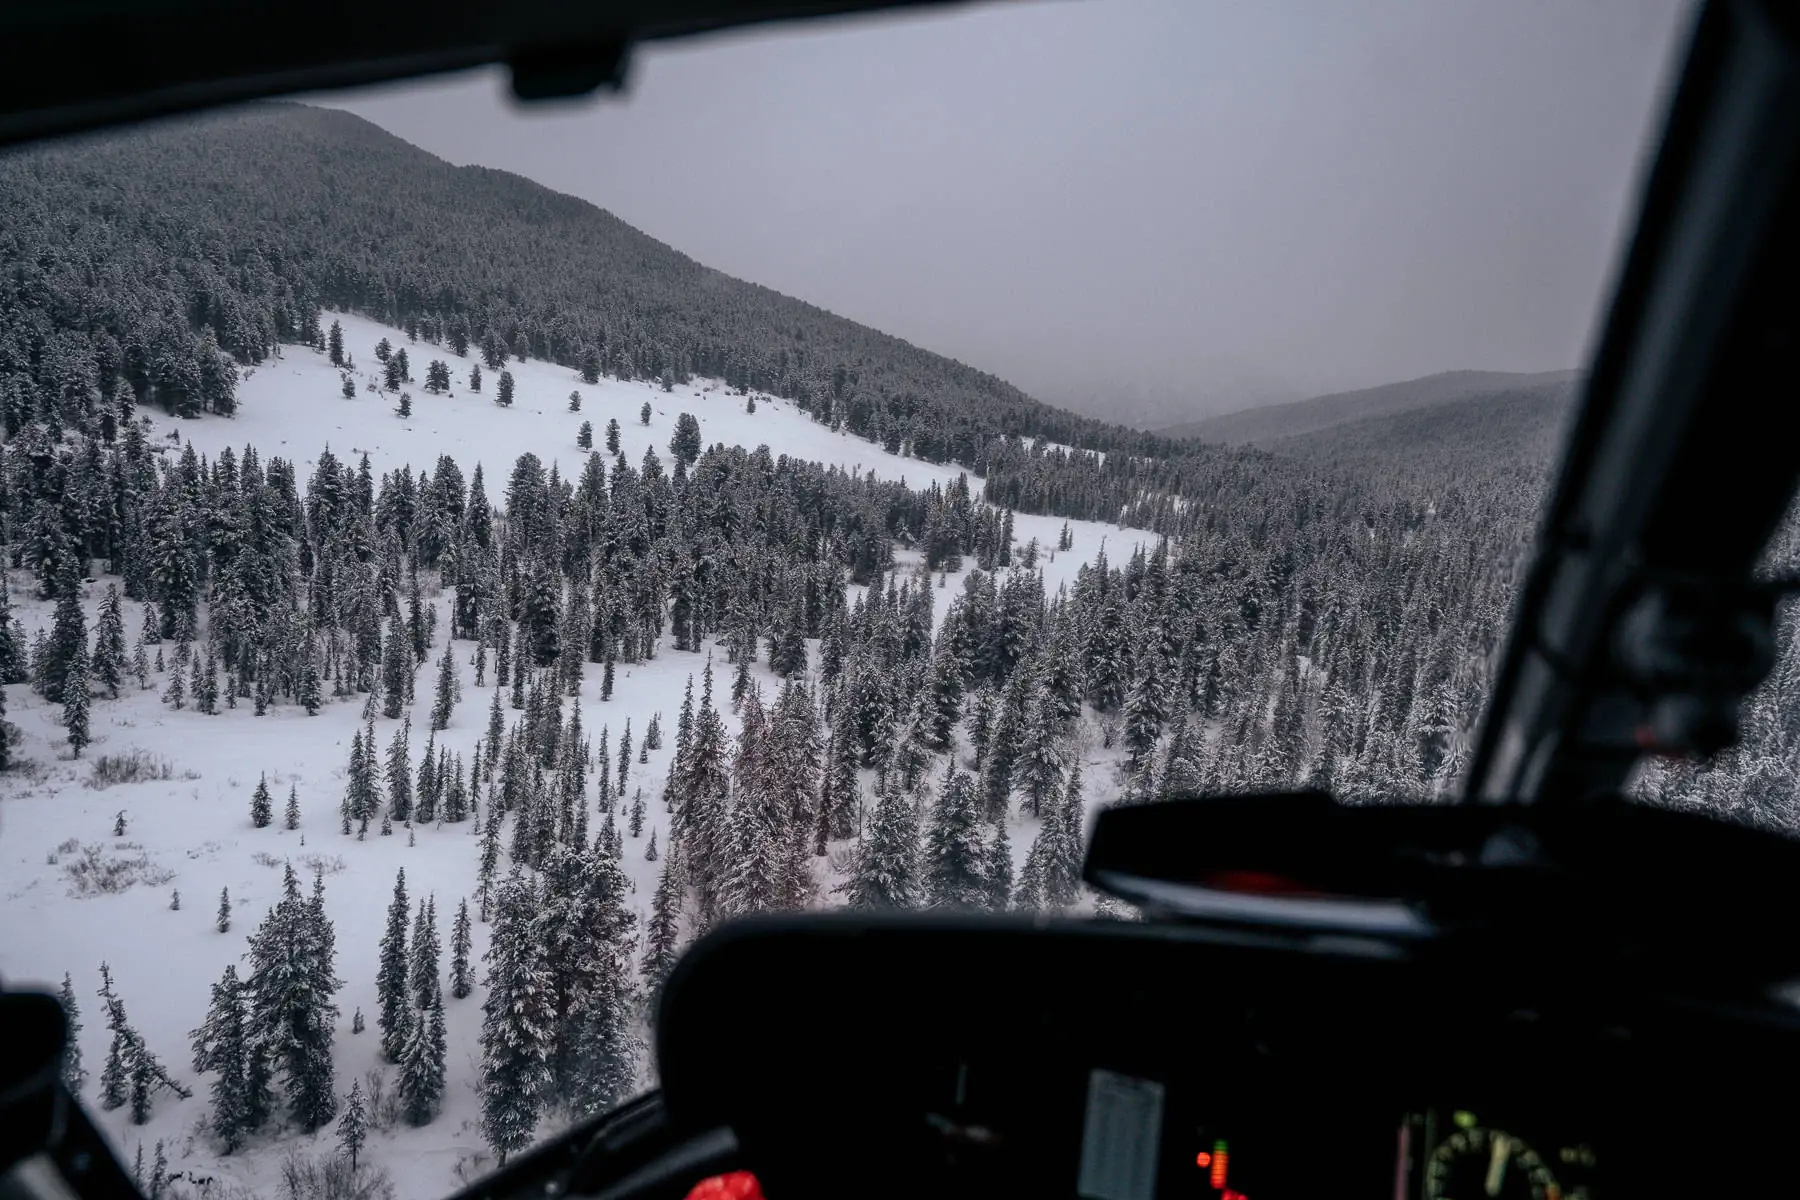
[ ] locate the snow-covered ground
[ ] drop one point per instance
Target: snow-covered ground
(195, 827)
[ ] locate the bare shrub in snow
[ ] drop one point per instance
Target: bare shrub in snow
(472, 1165)
(329, 1177)
(1087, 740)
(322, 864)
(212, 1188)
(133, 766)
(263, 858)
(1110, 726)
(383, 1104)
(95, 870)
(28, 769)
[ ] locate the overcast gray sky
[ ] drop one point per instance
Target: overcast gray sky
(1165, 207)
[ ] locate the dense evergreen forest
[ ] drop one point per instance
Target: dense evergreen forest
(145, 265)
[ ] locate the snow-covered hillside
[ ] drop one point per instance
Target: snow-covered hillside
(294, 406)
(192, 829)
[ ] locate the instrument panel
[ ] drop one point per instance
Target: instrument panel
(1143, 1064)
(1465, 1154)
(1142, 1139)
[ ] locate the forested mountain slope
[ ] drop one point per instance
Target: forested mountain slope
(261, 217)
(1519, 428)
(1264, 425)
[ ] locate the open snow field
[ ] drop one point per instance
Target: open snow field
(193, 831)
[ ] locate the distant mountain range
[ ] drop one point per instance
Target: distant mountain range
(1522, 428)
(1271, 424)
(1147, 404)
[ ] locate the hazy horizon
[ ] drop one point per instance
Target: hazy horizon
(1153, 210)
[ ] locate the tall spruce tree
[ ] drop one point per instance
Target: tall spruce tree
(1038, 766)
(624, 756)
(998, 869)
(361, 797)
(449, 691)
(1062, 852)
(396, 672)
(490, 855)
(292, 1014)
(1146, 709)
(587, 930)
(262, 804)
(76, 709)
(67, 646)
(462, 982)
(664, 932)
(399, 774)
(703, 790)
(391, 979)
(422, 971)
(955, 877)
(518, 1026)
(109, 663)
(887, 858)
(223, 1046)
(421, 1086)
(74, 1075)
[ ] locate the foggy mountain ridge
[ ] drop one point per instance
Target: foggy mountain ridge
(1263, 426)
(1077, 198)
(1523, 428)
(1152, 407)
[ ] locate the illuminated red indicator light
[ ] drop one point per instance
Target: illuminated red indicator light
(1203, 1159)
(733, 1185)
(1258, 883)
(1221, 1161)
